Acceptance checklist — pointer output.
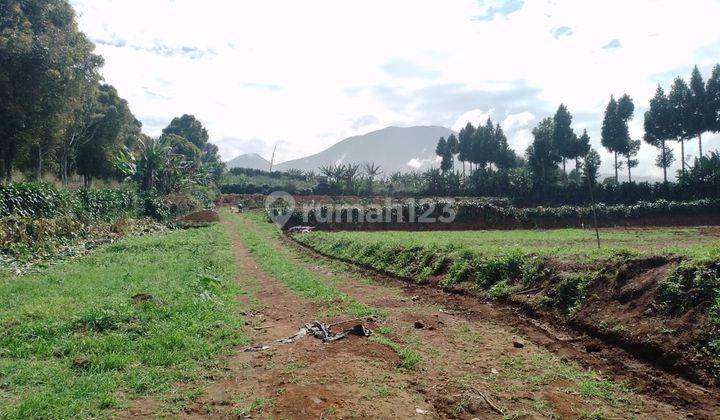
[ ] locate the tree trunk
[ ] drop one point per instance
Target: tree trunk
(39, 163)
(682, 154)
(629, 173)
(564, 171)
(463, 169)
(64, 164)
(2, 164)
(664, 157)
(617, 180)
(700, 143)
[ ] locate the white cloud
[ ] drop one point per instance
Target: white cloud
(296, 73)
(475, 117)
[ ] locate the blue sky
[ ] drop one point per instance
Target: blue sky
(304, 75)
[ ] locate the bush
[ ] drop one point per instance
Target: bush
(692, 284)
(40, 200)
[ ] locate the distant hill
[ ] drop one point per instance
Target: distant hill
(393, 148)
(249, 160)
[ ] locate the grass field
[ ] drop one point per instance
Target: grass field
(73, 342)
(577, 243)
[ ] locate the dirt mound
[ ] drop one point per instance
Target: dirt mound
(204, 216)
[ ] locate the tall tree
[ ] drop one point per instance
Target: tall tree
(563, 135)
(608, 134)
(591, 165)
(94, 158)
(465, 140)
(484, 147)
(615, 134)
(189, 127)
(44, 56)
(679, 115)
(664, 160)
(371, 170)
(712, 95)
(443, 151)
(697, 108)
(504, 157)
(631, 157)
(657, 126)
(581, 148)
(453, 147)
(542, 154)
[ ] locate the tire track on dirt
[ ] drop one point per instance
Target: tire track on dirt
(685, 396)
(457, 369)
(305, 379)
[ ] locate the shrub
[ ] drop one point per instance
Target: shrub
(691, 284)
(569, 293)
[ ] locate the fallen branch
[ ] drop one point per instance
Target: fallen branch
(263, 328)
(489, 403)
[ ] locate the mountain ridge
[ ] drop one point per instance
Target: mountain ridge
(392, 148)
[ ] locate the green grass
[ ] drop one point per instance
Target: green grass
(74, 344)
(578, 243)
(259, 236)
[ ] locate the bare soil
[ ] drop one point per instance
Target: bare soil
(470, 350)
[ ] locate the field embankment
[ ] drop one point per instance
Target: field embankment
(349, 213)
(655, 293)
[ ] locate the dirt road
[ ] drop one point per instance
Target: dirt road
(431, 355)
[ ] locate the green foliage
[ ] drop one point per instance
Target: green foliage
(75, 344)
(297, 278)
(568, 294)
(47, 64)
(498, 213)
(189, 128)
(692, 284)
(39, 200)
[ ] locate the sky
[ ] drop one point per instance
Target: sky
(304, 75)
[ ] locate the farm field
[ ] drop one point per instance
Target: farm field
(579, 244)
(80, 345)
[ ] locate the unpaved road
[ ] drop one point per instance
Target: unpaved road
(467, 355)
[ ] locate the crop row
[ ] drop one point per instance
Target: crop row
(489, 213)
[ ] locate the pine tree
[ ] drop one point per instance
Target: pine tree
(453, 147)
(542, 154)
(581, 148)
(712, 96)
(658, 125)
(591, 165)
(664, 160)
(563, 135)
(678, 100)
(465, 138)
(615, 132)
(697, 122)
(505, 156)
(631, 157)
(442, 150)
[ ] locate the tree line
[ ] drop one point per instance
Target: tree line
(687, 112)
(58, 116)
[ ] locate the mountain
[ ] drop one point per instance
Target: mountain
(249, 160)
(393, 148)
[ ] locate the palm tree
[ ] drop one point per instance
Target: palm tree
(329, 172)
(348, 173)
(371, 170)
